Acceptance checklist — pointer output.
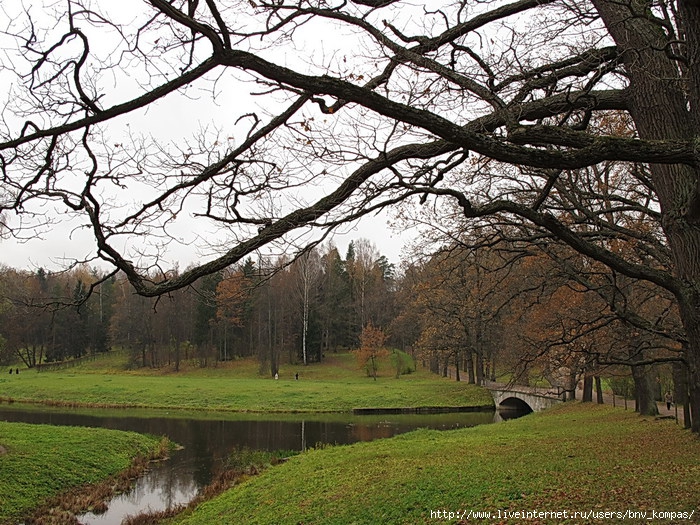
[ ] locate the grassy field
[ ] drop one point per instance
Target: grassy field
(39, 462)
(573, 457)
(337, 385)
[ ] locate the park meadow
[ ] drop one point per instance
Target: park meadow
(182, 182)
(577, 457)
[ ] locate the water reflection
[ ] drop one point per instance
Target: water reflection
(208, 439)
(504, 414)
(152, 492)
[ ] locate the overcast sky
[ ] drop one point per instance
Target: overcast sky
(63, 241)
(52, 252)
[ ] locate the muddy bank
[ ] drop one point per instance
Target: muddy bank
(64, 508)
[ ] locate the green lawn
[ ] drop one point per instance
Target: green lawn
(38, 462)
(335, 386)
(574, 457)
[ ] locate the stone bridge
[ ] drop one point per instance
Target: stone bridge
(524, 397)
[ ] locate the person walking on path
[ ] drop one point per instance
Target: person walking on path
(669, 400)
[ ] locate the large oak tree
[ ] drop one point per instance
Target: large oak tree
(365, 103)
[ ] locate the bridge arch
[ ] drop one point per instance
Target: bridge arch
(516, 396)
(515, 403)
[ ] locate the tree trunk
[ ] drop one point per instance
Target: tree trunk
(177, 354)
(587, 389)
(644, 390)
(691, 321)
(571, 392)
(305, 322)
(434, 365)
(479, 368)
(665, 106)
(457, 358)
(599, 390)
(469, 363)
(680, 391)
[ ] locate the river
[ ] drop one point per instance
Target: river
(207, 439)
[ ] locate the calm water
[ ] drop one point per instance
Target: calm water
(208, 439)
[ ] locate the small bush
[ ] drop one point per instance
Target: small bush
(402, 362)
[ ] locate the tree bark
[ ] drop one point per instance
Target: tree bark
(587, 389)
(479, 368)
(457, 359)
(599, 390)
(644, 390)
(680, 391)
(664, 105)
(469, 363)
(690, 314)
(571, 392)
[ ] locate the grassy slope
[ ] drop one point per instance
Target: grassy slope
(41, 461)
(574, 457)
(337, 385)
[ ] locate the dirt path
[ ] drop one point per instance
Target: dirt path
(676, 411)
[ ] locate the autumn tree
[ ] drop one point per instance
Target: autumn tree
(5, 306)
(405, 328)
(272, 320)
(132, 324)
(371, 349)
(173, 327)
(371, 279)
(232, 295)
(54, 317)
(25, 329)
(486, 105)
(461, 299)
(558, 336)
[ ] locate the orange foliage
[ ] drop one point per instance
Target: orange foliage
(230, 298)
(371, 348)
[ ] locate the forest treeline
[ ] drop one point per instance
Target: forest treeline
(272, 308)
(491, 308)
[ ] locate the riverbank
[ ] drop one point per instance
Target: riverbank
(572, 458)
(212, 445)
(60, 471)
(334, 386)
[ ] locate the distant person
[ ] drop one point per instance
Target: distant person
(669, 400)
(296, 376)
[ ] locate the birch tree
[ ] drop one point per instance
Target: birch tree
(308, 272)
